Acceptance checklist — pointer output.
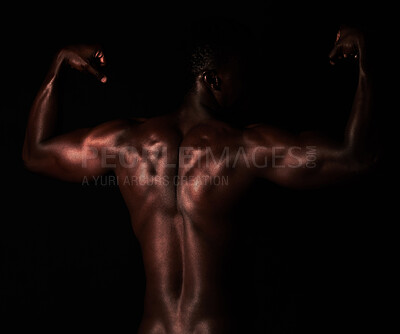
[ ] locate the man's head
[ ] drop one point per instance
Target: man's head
(219, 52)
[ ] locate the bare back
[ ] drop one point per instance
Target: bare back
(180, 191)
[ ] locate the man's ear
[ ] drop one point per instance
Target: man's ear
(211, 79)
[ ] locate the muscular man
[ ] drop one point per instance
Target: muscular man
(181, 174)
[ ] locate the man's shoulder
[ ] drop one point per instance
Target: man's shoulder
(115, 132)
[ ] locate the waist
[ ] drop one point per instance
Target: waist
(185, 325)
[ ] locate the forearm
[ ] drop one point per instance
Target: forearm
(43, 114)
(360, 127)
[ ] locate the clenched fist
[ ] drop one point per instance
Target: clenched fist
(349, 44)
(85, 58)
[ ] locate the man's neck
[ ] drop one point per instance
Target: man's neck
(194, 110)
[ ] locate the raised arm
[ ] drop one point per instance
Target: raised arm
(77, 154)
(308, 160)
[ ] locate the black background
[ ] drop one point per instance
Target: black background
(312, 260)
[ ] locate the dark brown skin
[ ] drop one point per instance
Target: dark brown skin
(184, 226)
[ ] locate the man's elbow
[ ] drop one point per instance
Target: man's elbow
(365, 165)
(26, 158)
(369, 166)
(31, 161)
(28, 162)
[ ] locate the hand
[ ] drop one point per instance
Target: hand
(85, 58)
(349, 44)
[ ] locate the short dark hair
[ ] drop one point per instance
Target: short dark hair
(212, 42)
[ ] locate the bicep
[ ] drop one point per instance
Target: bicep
(77, 155)
(298, 161)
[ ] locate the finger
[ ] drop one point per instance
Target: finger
(99, 55)
(337, 36)
(96, 73)
(335, 54)
(102, 60)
